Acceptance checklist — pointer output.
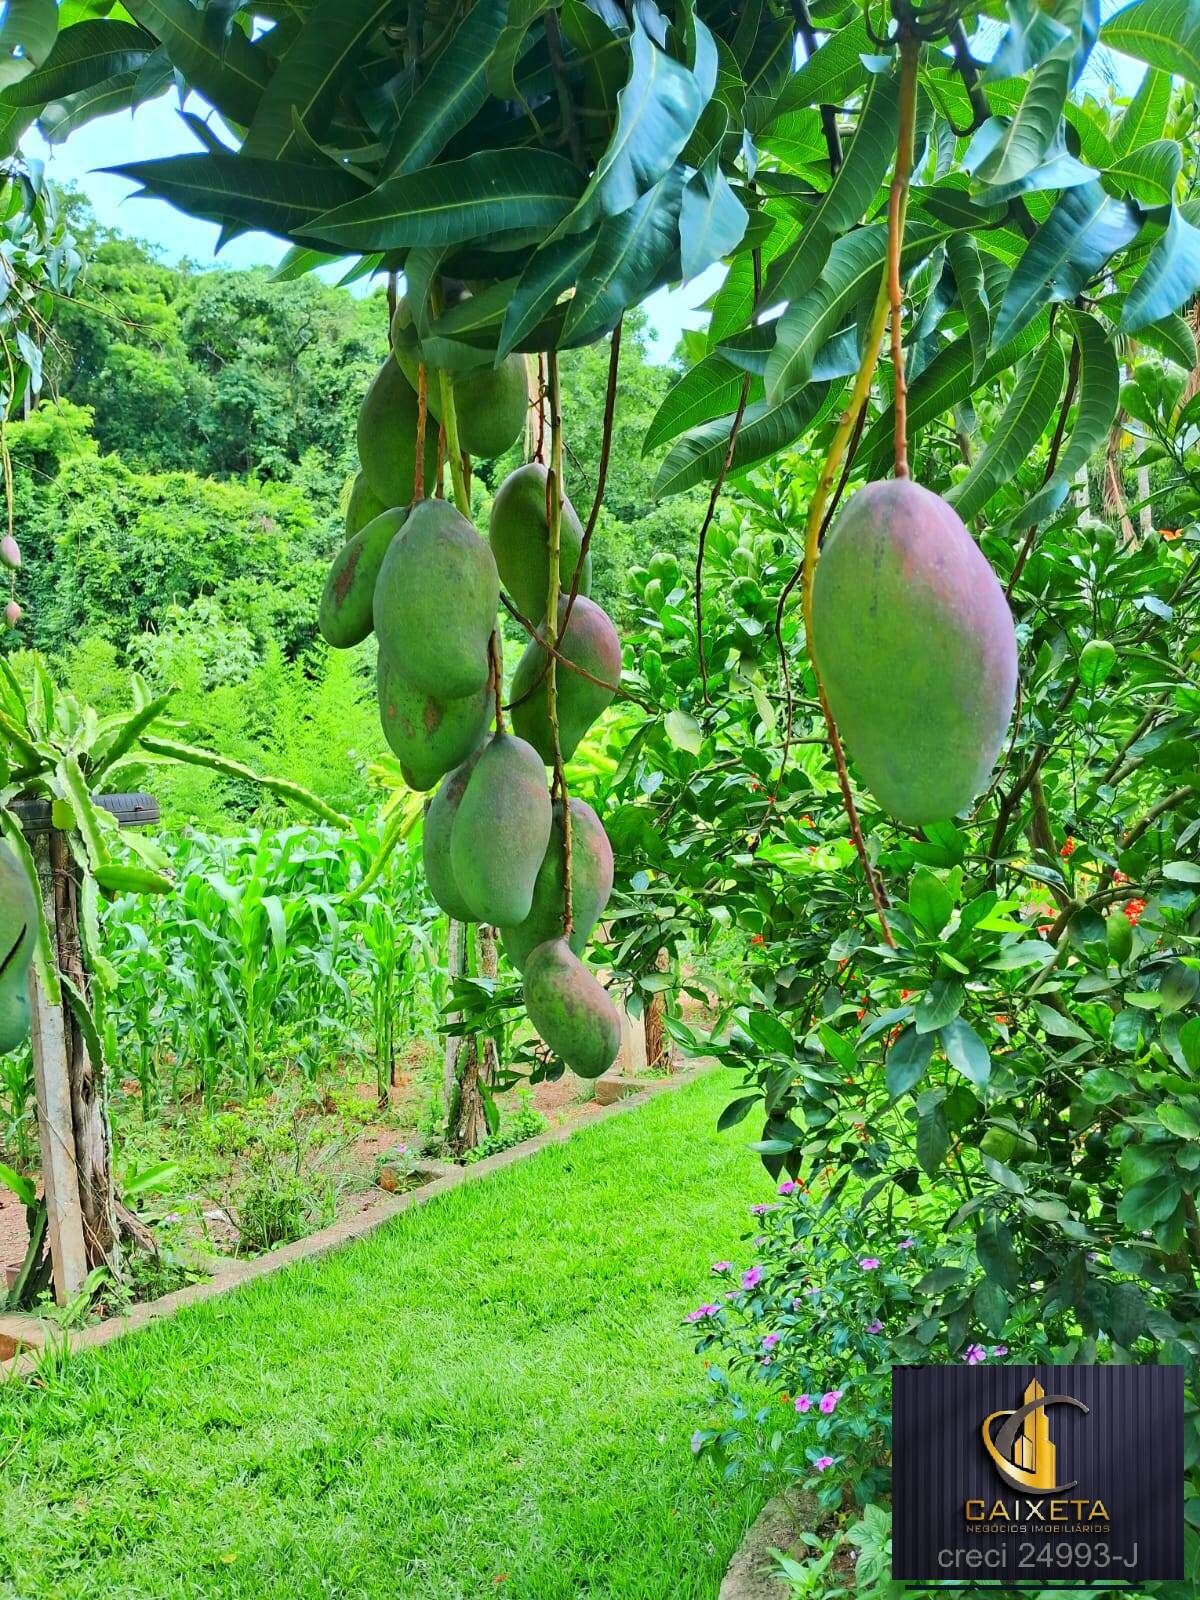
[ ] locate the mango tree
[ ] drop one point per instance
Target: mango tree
(533, 170)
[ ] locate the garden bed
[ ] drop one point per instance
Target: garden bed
(225, 1183)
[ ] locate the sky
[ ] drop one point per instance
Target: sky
(157, 129)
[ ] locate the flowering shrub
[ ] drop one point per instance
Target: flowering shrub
(799, 1343)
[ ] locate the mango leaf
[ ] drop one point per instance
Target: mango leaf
(1079, 236)
(1149, 173)
(552, 270)
(712, 220)
(945, 383)
(1035, 394)
(733, 304)
(83, 56)
(629, 256)
(831, 74)
(1032, 36)
(1145, 117)
(27, 37)
(501, 65)
(1058, 169)
(766, 429)
(1006, 148)
(1172, 337)
(851, 194)
(1169, 279)
(963, 257)
(484, 194)
(851, 273)
(656, 112)
(1162, 33)
(304, 86)
(907, 1060)
(992, 1307)
(61, 118)
(450, 94)
(281, 197)
(709, 389)
(1096, 407)
(231, 73)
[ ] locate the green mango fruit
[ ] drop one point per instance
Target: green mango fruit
(915, 645)
(363, 506)
(345, 616)
(591, 885)
(14, 1015)
(1119, 936)
(435, 841)
(387, 438)
(501, 831)
(520, 539)
(591, 642)
(430, 736)
(435, 603)
(571, 1010)
(490, 403)
(18, 935)
(18, 915)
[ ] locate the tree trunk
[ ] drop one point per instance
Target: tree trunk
(658, 1045)
(474, 1063)
(89, 1091)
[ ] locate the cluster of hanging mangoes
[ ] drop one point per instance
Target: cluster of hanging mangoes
(18, 933)
(416, 572)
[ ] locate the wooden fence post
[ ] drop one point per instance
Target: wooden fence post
(56, 1131)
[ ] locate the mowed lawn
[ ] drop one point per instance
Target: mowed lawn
(490, 1396)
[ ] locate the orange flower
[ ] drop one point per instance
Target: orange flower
(1133, 910)
(1000, 1019)
(1120, 877)
(1068, 848)
(757, 938)
(1171, 534)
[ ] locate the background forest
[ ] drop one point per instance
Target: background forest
(181, 501)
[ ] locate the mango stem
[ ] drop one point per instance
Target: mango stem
(554, 494)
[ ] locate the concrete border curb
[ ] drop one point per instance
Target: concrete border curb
(751, 1573)
(43, 1338)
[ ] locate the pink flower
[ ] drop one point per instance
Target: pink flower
(770, 1340)
(907, 1244)
(752, 1277)
(975, 1353)
(999, 1349)
(875, 1327)
(699, 1314)
(761, 1210)
(720, 1268)
(869, 1263)
(829, 1401)
(803, 1403)
(788, 1187)
(823, 1463)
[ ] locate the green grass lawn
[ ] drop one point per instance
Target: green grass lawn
(490, 1396)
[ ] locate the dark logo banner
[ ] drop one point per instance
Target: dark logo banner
(1033, 1476)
